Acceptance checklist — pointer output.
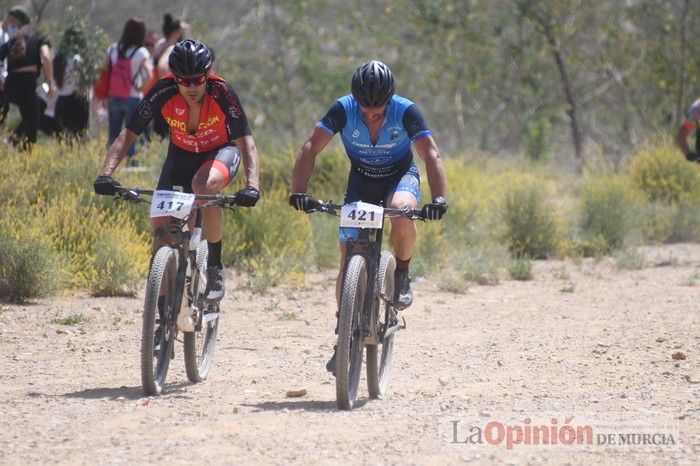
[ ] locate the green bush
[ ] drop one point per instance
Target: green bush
(537, 139)
(118, 272)
(530, 226)
(466, 266)
(270, 240)
(672, 223)
(485, 260)
(521, 269)
(609, 212)
(29, 267)
(662, 173)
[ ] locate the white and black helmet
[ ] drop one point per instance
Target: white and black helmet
(373, 84)
(190, 58)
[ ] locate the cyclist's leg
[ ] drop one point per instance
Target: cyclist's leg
(406, 193)
(213, 175)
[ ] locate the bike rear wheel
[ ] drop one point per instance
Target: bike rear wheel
(199, 345)
(379, 365)
(350, 341)
(157, 344)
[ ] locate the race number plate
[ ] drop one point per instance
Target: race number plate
(362, 215)
(171, 203)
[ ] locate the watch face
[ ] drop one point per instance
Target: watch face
(439, 200)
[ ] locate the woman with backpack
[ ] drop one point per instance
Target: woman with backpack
(130, 69)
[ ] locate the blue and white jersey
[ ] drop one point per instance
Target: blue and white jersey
(403, 124)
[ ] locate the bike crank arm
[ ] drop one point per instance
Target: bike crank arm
(395, 328)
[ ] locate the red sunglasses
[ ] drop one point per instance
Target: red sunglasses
(188, 82)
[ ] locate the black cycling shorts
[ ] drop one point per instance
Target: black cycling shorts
(180, 166)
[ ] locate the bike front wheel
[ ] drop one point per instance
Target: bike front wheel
(379, 365)
(350, 341)
(158, 330)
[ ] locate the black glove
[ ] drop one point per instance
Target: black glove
(435, 210)
(105, 185)
(302, 201)
(247, 197)
(692, 156)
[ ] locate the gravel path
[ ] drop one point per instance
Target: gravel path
(587, 340)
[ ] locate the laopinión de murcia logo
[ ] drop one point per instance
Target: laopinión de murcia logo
(588, 430)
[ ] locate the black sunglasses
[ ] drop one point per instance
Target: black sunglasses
(188, 82)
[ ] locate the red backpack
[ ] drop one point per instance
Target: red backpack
(120, 80)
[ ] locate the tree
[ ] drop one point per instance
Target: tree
(542, 14)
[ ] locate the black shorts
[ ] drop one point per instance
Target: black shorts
(377, 191)
(180, 166)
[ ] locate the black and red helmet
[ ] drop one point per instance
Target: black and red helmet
(190, 58)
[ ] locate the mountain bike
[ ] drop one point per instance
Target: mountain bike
(367, 317)
(175, 288)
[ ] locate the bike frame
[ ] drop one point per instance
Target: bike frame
(177, 260)
(368, 245)
(179, 239)
(176, 237)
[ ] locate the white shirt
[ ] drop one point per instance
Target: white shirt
(71, 76)
(4, 37)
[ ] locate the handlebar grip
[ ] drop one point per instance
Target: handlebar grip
(315, 204)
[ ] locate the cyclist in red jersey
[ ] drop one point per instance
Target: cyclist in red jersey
(209, 135)
(690, 124)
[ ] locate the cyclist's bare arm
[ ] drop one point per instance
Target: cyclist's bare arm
(304, 165)
(117, 151)
(682, 136)
(428, 151)
(251, 160)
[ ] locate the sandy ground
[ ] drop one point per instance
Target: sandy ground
(581, 343)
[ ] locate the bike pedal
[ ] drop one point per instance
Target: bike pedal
(184, 321)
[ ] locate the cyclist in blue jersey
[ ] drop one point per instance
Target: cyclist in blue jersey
(377, 128)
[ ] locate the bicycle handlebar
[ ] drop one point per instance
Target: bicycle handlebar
(328, 207)
(134, 195)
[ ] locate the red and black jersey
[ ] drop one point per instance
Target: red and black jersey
(221, 119)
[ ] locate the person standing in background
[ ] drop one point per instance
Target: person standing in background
(72, 107)
(152, 37)
(173, 32)
(130, 65)
(3, 71)
(27, 52)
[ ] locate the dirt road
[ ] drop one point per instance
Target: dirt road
(620, 346)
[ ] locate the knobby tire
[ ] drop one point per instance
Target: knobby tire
(379, 365)
(161, 281)
(199, 345)
(350, 340)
